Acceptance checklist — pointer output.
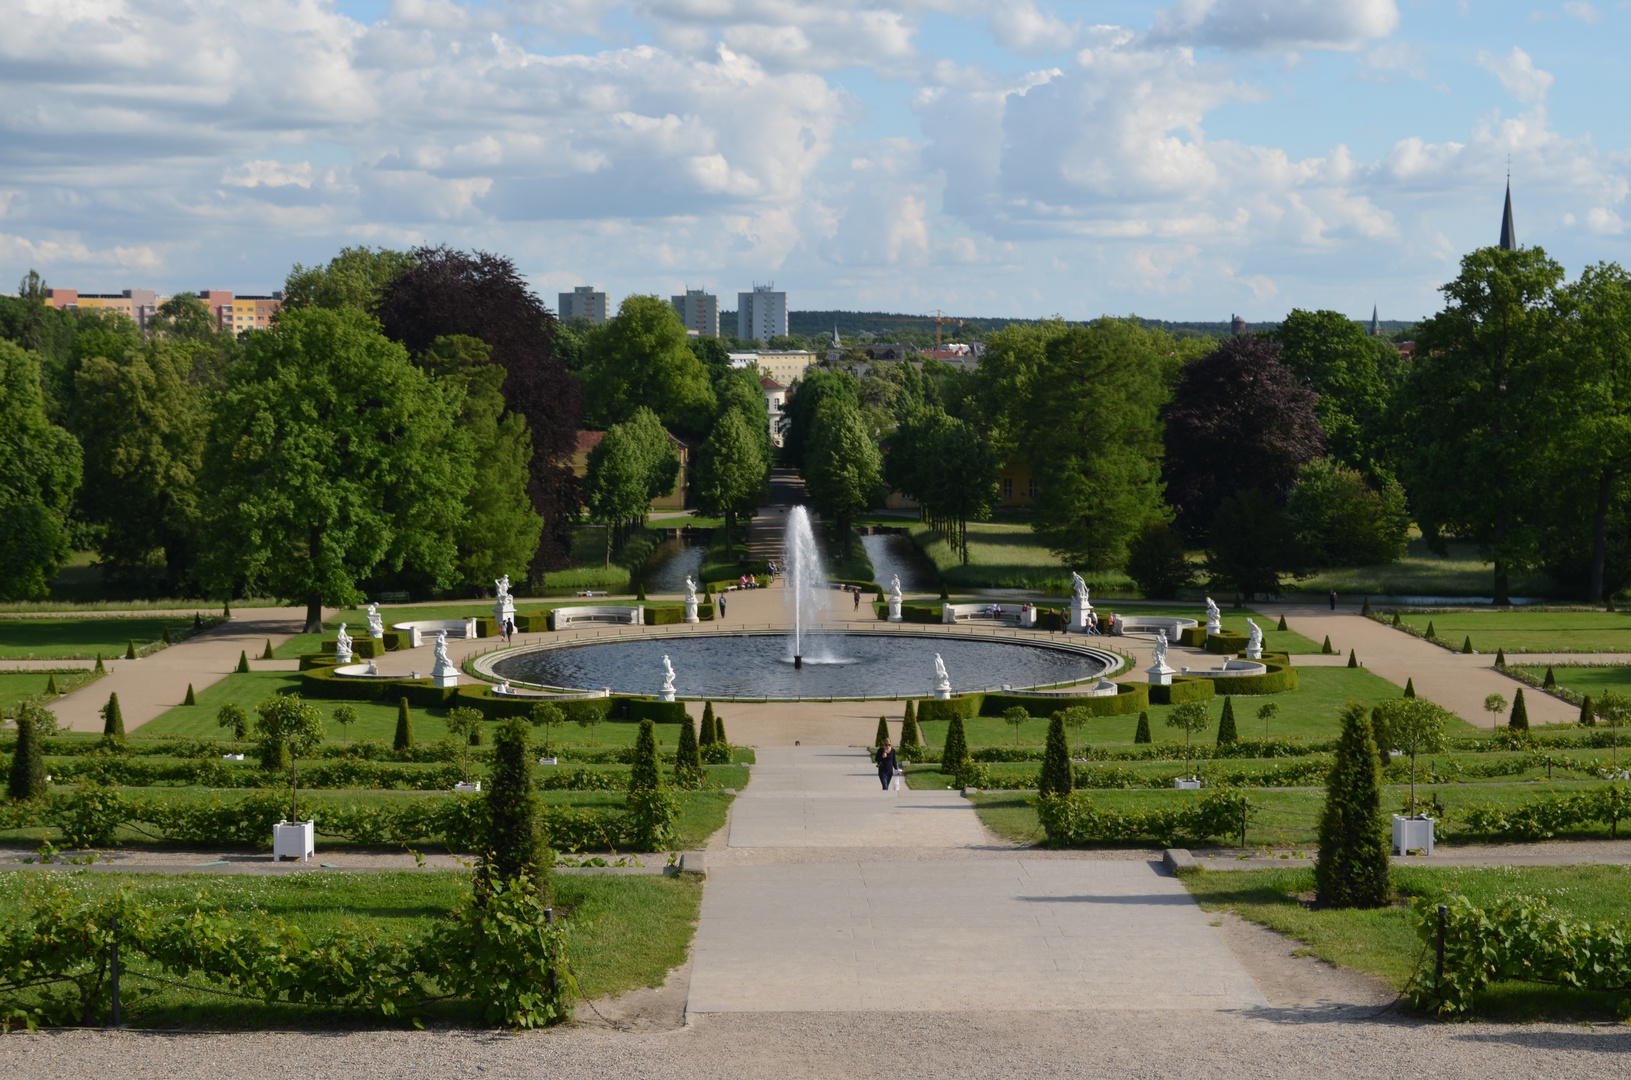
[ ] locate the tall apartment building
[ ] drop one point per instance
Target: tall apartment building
(584, 301)
(240, 313)
(761, 313)
(699, 311)
(140, 304)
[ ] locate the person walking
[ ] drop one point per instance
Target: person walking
(857, 593)
(887, 764)
(721, 605)
(1333, 599)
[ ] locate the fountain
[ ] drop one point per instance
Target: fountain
(806, 588)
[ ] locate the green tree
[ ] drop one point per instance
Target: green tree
(1142, 733)
(633, 464)
(345, 714)
(909, 734)
(464, 724)
(1157, 563)
(1340, 520)
(1351, 869)
(730, 473)
(27, 776)
(647, 772)
(1191, 716)
(706, 736)
(639, 358)
(963, 480)
(881, 735)
(1055, 778)
(548, 716)
(1486, 392)
(113, 719)
(651, 809)
(1518, 720)
(355, 279)
(39, 473)
(1413, 726)
(842, 469)
(954, 753)
(1076, 718)
(332, 456)
(688, 755)
(805, 398)
(1251, 546)
(1015, 717)
(1353, 374)
(514, 847)
(1227, 732)
(296, 727)
(232, 717)
(403, 738)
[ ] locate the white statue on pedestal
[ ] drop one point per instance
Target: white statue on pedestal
(376, 624)
(1214, 618)
(1159, 673)
(667, 693)
(342, 646)
(894, 599)
(504, 603)
(443, 673)
(1081, 609)
(942, 681)
(1254, 641)
(690, 601)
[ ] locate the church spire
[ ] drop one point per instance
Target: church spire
(1375, 323)
(1509, 235)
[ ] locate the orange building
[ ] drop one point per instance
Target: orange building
(240, 313)
(139, 304)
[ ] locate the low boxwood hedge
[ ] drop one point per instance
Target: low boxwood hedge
(362, 648)
(914, 613)
(1184, 688)
(1130, 697)
(1226, 643)
(670, 616)
(966, 706)
(1193, 637)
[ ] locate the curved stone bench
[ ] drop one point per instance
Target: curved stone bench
(563, 617)
(1103, 688)
(360, 671)
(418, 629)
(1006, 614)
(1150, 624)
(1230, 669)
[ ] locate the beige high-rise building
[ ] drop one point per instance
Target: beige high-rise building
(699, 311)
(583, 301)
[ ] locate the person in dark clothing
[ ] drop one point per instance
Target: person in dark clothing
(1333, 599)
(886, 763)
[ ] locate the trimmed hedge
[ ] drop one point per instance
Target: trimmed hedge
(965, 706)
(1193, 637)
(1226, 643)
(321, 682)
(1130, 698)
(670, 616)
(1280, 677)
(1184, 688)
(913, 613)
(1075, 819)
(864, 586)
(362, 648)
(761, 580)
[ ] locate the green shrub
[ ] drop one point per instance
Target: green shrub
(1519, 719)
(1130, 698)
(658, 712)
(190, 699)
(267, 653)
(706, 736)
(640, 593)
(130, 649)
(1055, 778)
(651, 809)
(404, 726)
(962, 707)
(719, 733)
(1193, 637)
(1326, 648)
(909, 734)
(1549, 681)
(1500, 657)
(688, 755)
(1353, 659)
(671, 616)
(27, 778)
(113, 720)
(881, 736)
(1075, 819)
(1466, 646)
(1431, 633)
(1226, 726)
(1588, 715)
(1410, 687)
(513, 842)
(1142, 735)
(243, 663)
(1352, 869)
(1396, 620)
(1365, 608)
(954, 754)
(1282, 625)
(1184, 689)
(1225, 643)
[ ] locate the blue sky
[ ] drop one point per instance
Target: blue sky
(1186, 160)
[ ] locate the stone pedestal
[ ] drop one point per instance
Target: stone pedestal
(942, 691)
(1254, 652)
(1160, 675)
(503, 611)
(690, 616)
(293, 840)
(894, 609)
(444, 675)
(472, 788)
(1079, 611)
(1186, 784)
(342, 653)
(666, 693)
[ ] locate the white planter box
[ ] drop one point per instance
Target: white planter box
(1412, 834)
(293, 840)
(1181, 784)
(549, 761)
(232, 757)
(468, 789)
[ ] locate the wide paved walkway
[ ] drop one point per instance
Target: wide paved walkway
(894, 927)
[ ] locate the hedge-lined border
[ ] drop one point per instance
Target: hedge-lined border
(1184, 689)
(321, 682)
(1226, 642)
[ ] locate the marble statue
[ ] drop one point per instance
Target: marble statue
(1254, 641)
(1161, 648)
(1078, 587)
(373, 668)
(667, 693)
(942, 681)
(1160, 674)
(503, 604)
(1081, 608)
(1214, 617)
(690, 601)
(894, 599)
(443, 673)
(342, 646)
(376, 624)
(503, 584)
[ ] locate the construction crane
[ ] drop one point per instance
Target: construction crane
(939, 318)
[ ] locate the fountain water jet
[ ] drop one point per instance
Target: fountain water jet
(806, 582)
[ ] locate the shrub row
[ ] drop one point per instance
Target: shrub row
(669, 616)
(912, 613)
(344, 774)
(1549, 815)
(321, 682)
(1226, 642)
(1184, 689)
(1075, 819)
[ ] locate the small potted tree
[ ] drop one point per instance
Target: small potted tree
(1192, 716)
(547, 716)
(295, 726)
(1614, 709)
(1411, 726)
(464, 724)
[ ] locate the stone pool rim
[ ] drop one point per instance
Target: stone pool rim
(1115, 663)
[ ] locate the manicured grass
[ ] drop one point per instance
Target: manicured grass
(80, 638)
(18, 687)
(1311, 711)
(1529, 631)
(1421, 573)
(1589, 680)
(626, 932)
(1003, 555)
(1234, 621)
(1384, 942)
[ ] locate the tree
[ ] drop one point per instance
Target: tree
(1353, 374)
(1486, 392)
(1227, 732)
(646, 773)
(113, 719)
(502, 528)
(1191, 716)
(442, 292)
(1495, 705)
(40, 468)
(330, 457)
(1340, 520)
(1615, 709)
(1076, 718)
(27, 777)
(639, 359)
(954, 753)
(1413, 725)
(805, 398)
(909, 734)
(1015, 717)
(1267, 712)
(716, 359)
(1239, 419)
(1157, 563)
(842, 469)
(345, 715)
(633, 464)
(232, 717)
(706, 736)
(464, 724)
(1351, 869)
(1250, 546)
(1056, 778)
(296, 727)
(688, 755)
(548, 716)
(514, 848)
(1090, 428)
(403, 738)
(650, 808)
(357, 278)
(730, 473)
(963, 481)
(1519, 719)
(1142, 733)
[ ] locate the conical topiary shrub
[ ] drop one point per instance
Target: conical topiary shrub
(1396, 619)
(1142, 735)
(944, 594)
(226, 609)
(1588, 715)
(51, 686)
(954, 754)
(882, 734)
(1410, 687)
(165, 636)
(1326, 648)
(1364, 609)
(1500, 657)
(267, 654)
(1353, 660)
(243, 662)
(1352, 869)
(1282, 625)
(189, 699)
(719, 731)
(403, 738)
(1519, 719)
(1056, 778)
(130, 649)
(513, 847)
(909, 734)
(649, 810)
(688, 756)
(198, 622)
(1466, 646)
(27, 780)
(640, 592)
(113, 721)
(1549, 681)
(100, 670)
(706, 736)
(1431, 633)
(1226, 724)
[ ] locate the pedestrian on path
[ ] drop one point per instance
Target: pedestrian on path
(721, 605)
(857, 599)
(1333, 599)
(886, 764)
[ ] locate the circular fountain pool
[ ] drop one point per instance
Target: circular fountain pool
(838, 665)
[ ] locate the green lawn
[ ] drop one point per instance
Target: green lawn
(1003, 555)
(80, 638)
(1522, 631)
(18, 687)
(1310, 711)
(1234, 621)
(1384, 942)
(627, 932)
(1462, 572)
(1589, 680)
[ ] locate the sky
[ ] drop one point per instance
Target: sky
(1188, 160)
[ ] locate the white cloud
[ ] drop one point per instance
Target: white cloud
(269, 174)
(1585, 12)
(1022, 27)
(1275, 24)
(1518, 73)
(1392, 60)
